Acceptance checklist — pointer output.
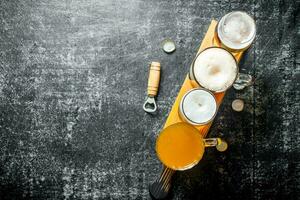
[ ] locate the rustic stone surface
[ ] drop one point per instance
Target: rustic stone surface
(73, 76)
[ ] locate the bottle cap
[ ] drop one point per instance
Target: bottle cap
(222, 146)
(168, 46)
(238, 105)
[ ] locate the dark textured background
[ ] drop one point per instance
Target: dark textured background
(73, 77)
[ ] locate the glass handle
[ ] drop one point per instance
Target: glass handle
(211, 142)
(220, 144)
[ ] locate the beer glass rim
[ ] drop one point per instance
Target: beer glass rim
(187, 118)
(193, 68)
(230, 13)
(187, 166)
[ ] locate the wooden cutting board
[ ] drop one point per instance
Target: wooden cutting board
(174, 117)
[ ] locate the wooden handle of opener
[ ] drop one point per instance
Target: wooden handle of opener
(154, 77)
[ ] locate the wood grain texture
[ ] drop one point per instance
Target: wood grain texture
(73, 79)
(154, 78)
(174, 116)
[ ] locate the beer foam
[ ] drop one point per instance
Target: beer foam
(215, 69)
(199, 106)
(236, 30)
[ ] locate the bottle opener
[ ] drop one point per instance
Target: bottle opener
(153, 84)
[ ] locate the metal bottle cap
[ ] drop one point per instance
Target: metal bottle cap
(222, 146)
(238, 105)
(168, 46)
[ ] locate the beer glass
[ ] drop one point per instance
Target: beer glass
(198, 107)
(180, 147)
(214, 69)
(235, 31)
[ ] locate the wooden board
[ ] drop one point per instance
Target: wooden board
(174, 117)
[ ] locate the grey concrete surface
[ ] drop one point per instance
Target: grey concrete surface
(73, 77)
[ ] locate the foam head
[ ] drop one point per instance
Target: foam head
(198, 107)
(236, 30)
(215, 69)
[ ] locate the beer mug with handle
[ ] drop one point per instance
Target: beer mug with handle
(180, 147)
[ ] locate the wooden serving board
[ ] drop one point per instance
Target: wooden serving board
(174, 117)
(160, 188)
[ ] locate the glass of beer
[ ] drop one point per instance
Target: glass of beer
(181, 146)
(214, 69)
(235, 31)
(198, 107)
